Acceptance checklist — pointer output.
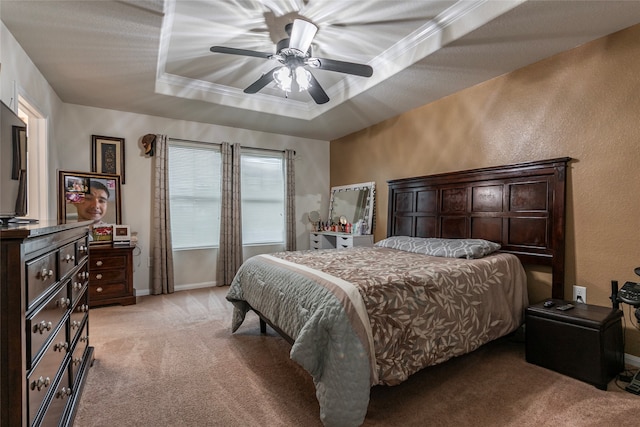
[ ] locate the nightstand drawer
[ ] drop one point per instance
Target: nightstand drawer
(107, 290)
(107, 262)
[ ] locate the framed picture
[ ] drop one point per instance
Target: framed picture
(107, 155)
(121, 233)
(84, 196)
(102, 234)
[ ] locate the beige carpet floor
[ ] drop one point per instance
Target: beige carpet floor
(171, 360)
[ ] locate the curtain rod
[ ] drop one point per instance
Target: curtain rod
(273, 150)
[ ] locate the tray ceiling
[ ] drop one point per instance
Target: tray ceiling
(152, 57)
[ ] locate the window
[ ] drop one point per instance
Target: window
(194, 195)
(263, 198)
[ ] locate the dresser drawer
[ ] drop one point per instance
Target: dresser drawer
(78, 316)
(58, 403)
(79, 282)
(66, 259)
(41, 274)
(77, 357)
(44, 322)
(82, 249)
(42, 378)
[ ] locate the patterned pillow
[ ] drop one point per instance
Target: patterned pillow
(450, 248)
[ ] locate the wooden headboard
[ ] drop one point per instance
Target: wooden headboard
(520, 206)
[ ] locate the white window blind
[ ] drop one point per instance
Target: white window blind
(263, 197)
(195, 172)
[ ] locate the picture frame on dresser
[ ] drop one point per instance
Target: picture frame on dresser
(75, 192)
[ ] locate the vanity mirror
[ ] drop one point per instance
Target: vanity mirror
(353, 202)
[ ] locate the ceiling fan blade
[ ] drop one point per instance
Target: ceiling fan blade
(243, 52)
(261, 82)
(341, 66)
(302, 34)
(317, 93)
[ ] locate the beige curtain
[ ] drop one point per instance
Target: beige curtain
(230, 253)
(290, 209)
(162, 251)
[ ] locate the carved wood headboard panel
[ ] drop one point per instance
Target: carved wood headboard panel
(520, 206)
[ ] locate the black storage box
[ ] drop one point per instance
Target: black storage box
(584, 342)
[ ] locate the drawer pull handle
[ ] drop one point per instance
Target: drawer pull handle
(83, 308)
(75, 324)
(63, 392)
(45, 274)
(69, 258)
(98, 276)
(98, 263)
(61, 346)
(82, 249)
(42, 326)
(77, 286)
(85, 338)
(99, 289)
(63, 303)
(76, 360)
(40, 382)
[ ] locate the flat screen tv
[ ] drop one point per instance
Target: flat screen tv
(13, 165)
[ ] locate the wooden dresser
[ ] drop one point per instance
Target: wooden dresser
(44, 323)
(111, 275)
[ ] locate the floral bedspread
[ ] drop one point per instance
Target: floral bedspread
(424, 310)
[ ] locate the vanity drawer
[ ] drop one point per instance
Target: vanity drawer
(344, 242)
(41, 274)
(44, 322)
(315, 241)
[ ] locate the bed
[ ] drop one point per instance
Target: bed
(447, 279)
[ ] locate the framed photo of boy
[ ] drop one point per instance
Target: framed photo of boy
(107, 155)
(85, 196)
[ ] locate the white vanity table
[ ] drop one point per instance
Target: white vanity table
(338, 240)
(348, 204)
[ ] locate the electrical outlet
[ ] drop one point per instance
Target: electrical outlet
(580, 294)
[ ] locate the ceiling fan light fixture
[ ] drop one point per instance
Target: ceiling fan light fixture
(283, 78)
(303, 77)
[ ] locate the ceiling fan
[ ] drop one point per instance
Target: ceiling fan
(294, 55)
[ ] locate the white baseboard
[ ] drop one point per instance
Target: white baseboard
(186, 287)
(632, 360)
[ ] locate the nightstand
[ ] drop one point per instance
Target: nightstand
(111, 275)
(584, 342)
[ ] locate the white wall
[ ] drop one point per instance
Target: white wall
(70, 130)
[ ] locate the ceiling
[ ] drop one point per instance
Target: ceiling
(152, 56)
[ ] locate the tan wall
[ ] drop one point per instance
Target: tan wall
(583, 104)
